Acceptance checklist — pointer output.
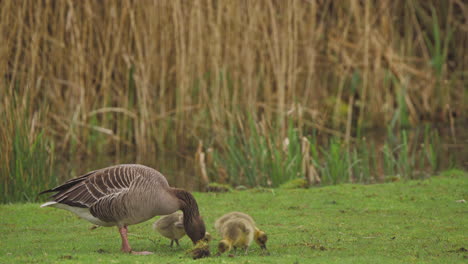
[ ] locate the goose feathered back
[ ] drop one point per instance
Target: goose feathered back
(123, 194)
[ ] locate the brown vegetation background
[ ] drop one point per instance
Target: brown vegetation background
(155, 77)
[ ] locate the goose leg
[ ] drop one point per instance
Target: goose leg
(177, 242)
(126, 246)
(172, 243)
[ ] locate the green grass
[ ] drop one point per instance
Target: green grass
(402, 222)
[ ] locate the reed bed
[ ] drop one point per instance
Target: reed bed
(257, 158)
(113, 78)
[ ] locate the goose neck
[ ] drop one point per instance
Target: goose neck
(188, 204)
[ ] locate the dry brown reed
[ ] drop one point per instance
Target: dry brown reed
(155, 77)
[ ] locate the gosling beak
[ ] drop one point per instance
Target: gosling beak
(265, 250)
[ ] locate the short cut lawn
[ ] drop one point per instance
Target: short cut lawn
(403, 222)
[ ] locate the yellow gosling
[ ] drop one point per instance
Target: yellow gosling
(260, 236)
(236, 233)
(200, 250)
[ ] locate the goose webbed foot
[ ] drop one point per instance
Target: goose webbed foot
(141, 252)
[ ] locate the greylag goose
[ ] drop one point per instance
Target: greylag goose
(259, 236)
(124, 195)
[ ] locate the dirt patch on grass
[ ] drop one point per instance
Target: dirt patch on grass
(460, 250)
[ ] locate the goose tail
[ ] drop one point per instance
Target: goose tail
(48, 204)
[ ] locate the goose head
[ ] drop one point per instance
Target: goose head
(193, 222)
(195, 228)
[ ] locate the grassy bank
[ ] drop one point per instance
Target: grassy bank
(402, 222)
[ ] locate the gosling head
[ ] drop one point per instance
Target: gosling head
(195, 229)
(201, 250)
(207, 238)
(224, 246)
(261, 238)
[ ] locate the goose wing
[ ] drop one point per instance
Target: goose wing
(86, 190)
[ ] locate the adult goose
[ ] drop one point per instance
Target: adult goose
(124, 195)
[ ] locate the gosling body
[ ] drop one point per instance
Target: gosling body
(171, 226)
(259, 236)
(236, 233)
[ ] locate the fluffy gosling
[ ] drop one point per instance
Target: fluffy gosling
(236, 233)
(172, 227)
(260, 236)
(200, 250)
